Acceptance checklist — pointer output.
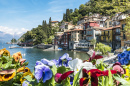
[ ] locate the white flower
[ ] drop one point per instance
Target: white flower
(77, 64)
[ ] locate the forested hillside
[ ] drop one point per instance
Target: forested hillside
(44, 33)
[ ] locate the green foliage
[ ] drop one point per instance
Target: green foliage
(102, 48)
(93, 41)
(42, 34)
(76, 78)
(13, 40)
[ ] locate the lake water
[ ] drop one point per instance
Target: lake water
(33, 54)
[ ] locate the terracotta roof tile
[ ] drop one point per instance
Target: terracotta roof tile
(54, 21)
(110, 28)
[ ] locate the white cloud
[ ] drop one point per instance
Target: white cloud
(13, 30)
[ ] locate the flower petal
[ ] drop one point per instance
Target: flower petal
(47, 74)
(65, 75)
(57, 77)
(66, 55)
(38, 63)
(39, 71)
(83, 81)
(94, 79)
(47, 62)
(105, 73)
(98, 57)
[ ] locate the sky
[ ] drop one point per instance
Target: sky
(19, 16)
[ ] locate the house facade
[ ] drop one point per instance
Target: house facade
(54, 23)
(76, 36)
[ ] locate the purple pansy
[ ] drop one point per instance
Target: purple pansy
(38, 63)
(71, 80)
(126, 61)
(47, 62)
(124, 54)
(64, 60)
(43, 72)
(122, 61)
(55, 61)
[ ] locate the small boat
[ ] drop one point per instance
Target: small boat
(60, 48)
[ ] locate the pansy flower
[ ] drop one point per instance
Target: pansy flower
(117, 66)
(17, 56)
(60, 77)
(43, 72)
(124, 54)
(4, 52)
(47, 62)
(93, 57)
(6, 75)
(94, 74)
(71, 79)
(63, 60)
(77, 64)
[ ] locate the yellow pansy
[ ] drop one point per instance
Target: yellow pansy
(17, 56)
(4, 52)
(127, 75)
(6, 75)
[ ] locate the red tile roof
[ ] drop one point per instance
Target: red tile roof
(54, 21)
(110, 28)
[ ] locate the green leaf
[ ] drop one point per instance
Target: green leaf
(6, 65)
(28, 77)
(110, 79)
(67, 82)
(25, 64)
(123, 81)
(76, 78)
(6, 58)
(16, 84)
(62, 69)
(54, 69)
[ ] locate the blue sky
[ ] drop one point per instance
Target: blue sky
(18, 16)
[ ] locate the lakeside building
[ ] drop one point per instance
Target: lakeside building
(101, 28)
(57, 38)
(65, 26)
(125, 38)
(54, 23)
(65, 38)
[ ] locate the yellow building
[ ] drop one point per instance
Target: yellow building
(125, 37)
(106, 36)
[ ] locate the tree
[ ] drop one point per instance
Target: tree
(102, 48)
(93, 42)
(71, 10)
(13, 40)
(50, 22)
(64, 17)
(67, 15)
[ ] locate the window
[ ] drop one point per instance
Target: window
(108, 32)
(124, 37)
(123, 25)
(66, 26)
(104, 32)
(110, 23)
(105, 23)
